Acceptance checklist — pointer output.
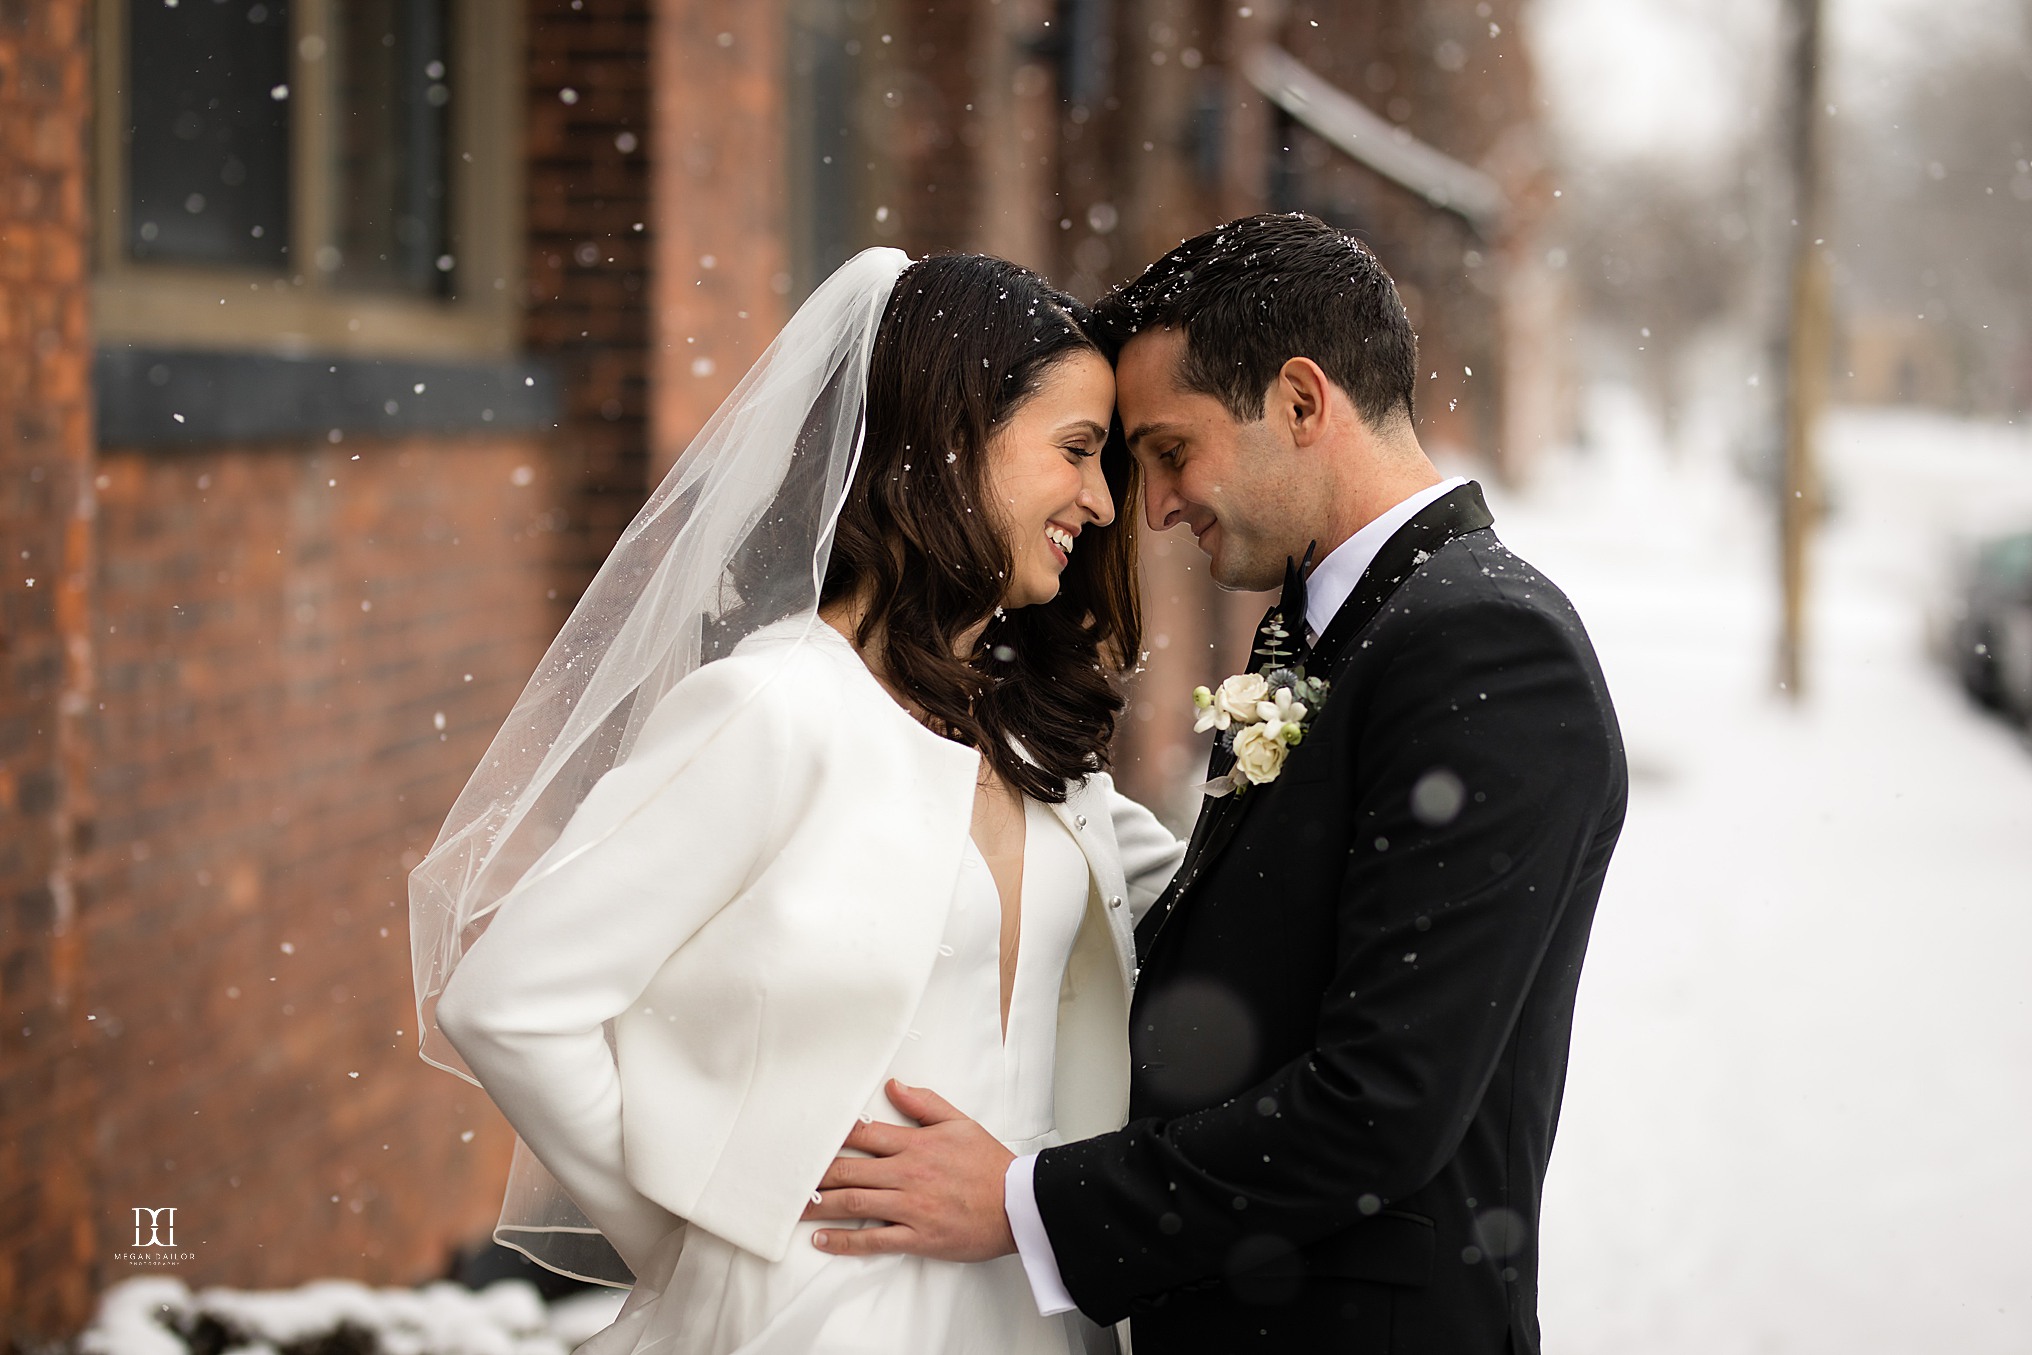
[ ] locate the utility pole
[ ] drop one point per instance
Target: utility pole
(1808, 327)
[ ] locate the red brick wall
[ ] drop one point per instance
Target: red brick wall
(927, 75)
(279, 630)
(278, 650)
(46, 1100)
(592, 236)
(722, 258)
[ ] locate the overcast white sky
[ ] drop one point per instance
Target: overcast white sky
(1627, 78)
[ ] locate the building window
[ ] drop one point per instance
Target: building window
(393, 89)
(829, 157)
(310, 176)
(207, 133)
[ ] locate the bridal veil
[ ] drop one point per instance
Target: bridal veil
(735, 537)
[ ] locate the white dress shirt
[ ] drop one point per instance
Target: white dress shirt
(1335, 577)
(1327, 588)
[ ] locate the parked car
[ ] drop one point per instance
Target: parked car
(1991, 637)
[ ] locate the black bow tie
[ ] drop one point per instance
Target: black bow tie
(1280, 639)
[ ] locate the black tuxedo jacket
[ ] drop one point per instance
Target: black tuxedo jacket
(1350, 1031)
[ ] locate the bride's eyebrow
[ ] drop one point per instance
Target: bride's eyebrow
(1083, 426)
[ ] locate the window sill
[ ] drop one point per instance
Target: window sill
(171, 306)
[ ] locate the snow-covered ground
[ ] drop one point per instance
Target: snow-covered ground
(1799, 1110)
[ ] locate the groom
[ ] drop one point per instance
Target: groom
(1351, 1022)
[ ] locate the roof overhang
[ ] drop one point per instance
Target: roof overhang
(1356, 130)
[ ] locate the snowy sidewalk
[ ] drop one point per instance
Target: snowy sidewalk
(1799, 1111)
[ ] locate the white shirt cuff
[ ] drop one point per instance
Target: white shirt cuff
(1033, 1244)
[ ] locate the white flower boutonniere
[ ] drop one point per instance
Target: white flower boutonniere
(1259, 717)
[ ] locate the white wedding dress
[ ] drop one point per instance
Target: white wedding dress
(721, 1300)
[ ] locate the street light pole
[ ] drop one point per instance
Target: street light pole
(1807, 332)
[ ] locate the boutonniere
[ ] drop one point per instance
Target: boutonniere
(1260, 717)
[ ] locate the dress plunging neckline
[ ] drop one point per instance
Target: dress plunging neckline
(1010, 964)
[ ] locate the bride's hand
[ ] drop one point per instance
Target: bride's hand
(936, 1190)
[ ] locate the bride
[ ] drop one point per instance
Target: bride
(809, 794)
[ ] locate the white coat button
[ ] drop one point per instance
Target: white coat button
(1079, 820)
(1115, 901)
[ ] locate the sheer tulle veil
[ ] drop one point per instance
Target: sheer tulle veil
(736, 537)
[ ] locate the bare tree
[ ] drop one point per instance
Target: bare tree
(1657, 257)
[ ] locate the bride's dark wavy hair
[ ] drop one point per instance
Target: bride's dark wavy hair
(965, 340)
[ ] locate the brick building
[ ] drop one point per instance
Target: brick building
(339, 340)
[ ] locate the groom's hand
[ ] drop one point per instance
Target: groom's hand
(937, 1190)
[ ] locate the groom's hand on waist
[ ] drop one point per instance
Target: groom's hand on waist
(934, 1190)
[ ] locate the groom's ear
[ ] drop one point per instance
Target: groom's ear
(1300, 397)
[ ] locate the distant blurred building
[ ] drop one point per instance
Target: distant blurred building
(340, 338)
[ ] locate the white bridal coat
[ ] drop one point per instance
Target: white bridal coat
(759, 934)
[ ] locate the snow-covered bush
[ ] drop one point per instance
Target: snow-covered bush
(162, 1316)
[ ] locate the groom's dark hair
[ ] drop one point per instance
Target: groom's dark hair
(1261, 290)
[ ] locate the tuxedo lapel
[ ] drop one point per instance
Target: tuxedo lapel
(1217, 822)
(1211, 811)
(1453, 514)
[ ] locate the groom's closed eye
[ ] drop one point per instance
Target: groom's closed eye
(1161, 458)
